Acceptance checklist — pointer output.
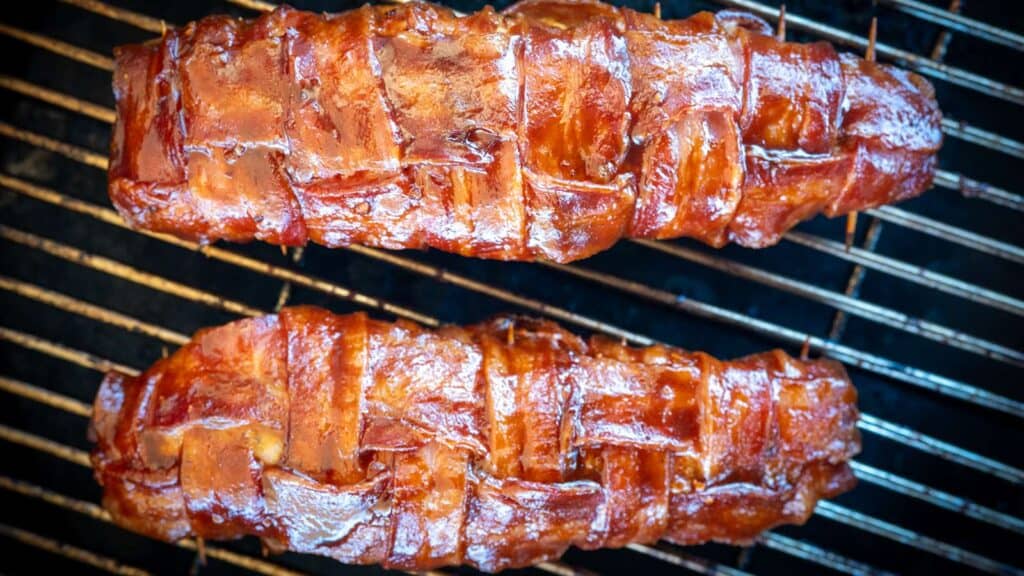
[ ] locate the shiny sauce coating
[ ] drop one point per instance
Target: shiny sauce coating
(497, 445)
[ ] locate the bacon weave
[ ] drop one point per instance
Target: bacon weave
(497, 445)
(549, 131)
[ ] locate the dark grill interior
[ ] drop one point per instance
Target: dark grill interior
(925, 311)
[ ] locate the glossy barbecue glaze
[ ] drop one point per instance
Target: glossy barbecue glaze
(496, 445)
(549, 131)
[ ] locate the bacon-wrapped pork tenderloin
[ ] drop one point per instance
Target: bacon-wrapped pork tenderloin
(497, 445)
(548, 131)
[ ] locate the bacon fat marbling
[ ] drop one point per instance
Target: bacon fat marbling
(496, 445)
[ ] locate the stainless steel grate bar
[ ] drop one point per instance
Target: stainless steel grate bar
(46, 397)
(95, 512)
(141, 21)
(949, 233)
(688, 561)
(818, 555)
(916, 274)
(937, 497)
(957, 22)
(910, 60)
(936, 447)
(972, 188)
(75, 553)
(850, 305)
(974, 135)
(891, 531)
(110, 217)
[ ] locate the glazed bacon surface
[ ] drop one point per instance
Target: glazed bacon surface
(548, 131)
(497, 445)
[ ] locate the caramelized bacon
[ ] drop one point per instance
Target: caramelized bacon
(497, 445)
(548, 131)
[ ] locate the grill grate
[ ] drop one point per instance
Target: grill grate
(54, 285)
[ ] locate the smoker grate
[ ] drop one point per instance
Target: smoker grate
(925, 310)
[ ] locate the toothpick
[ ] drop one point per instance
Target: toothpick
(511, 336)
(201, 550)
(851, 229)
(780, 31)
(657, 10)
(869, 55)
(805, 350)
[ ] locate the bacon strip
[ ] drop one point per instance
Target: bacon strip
(496, 445)
(549, 131)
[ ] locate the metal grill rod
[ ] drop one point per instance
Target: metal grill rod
(95, 512)
(818, 555)
(45, 397)
(110, 217)
(949, 233)
(125, 272)
(909, 272)
(972, 188)
(936, 497)
(915, 274)
(898, 484)
(906, 59)
(82, 308)
(934, 446)
(80, 555)
(94, 111)
(878, 527)
(954, 21)
(967, 133)
(870, 474)
(854, 306)
(57, 47)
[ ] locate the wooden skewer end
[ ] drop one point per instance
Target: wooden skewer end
(851, 229)
(872, 36)
(780, 31)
